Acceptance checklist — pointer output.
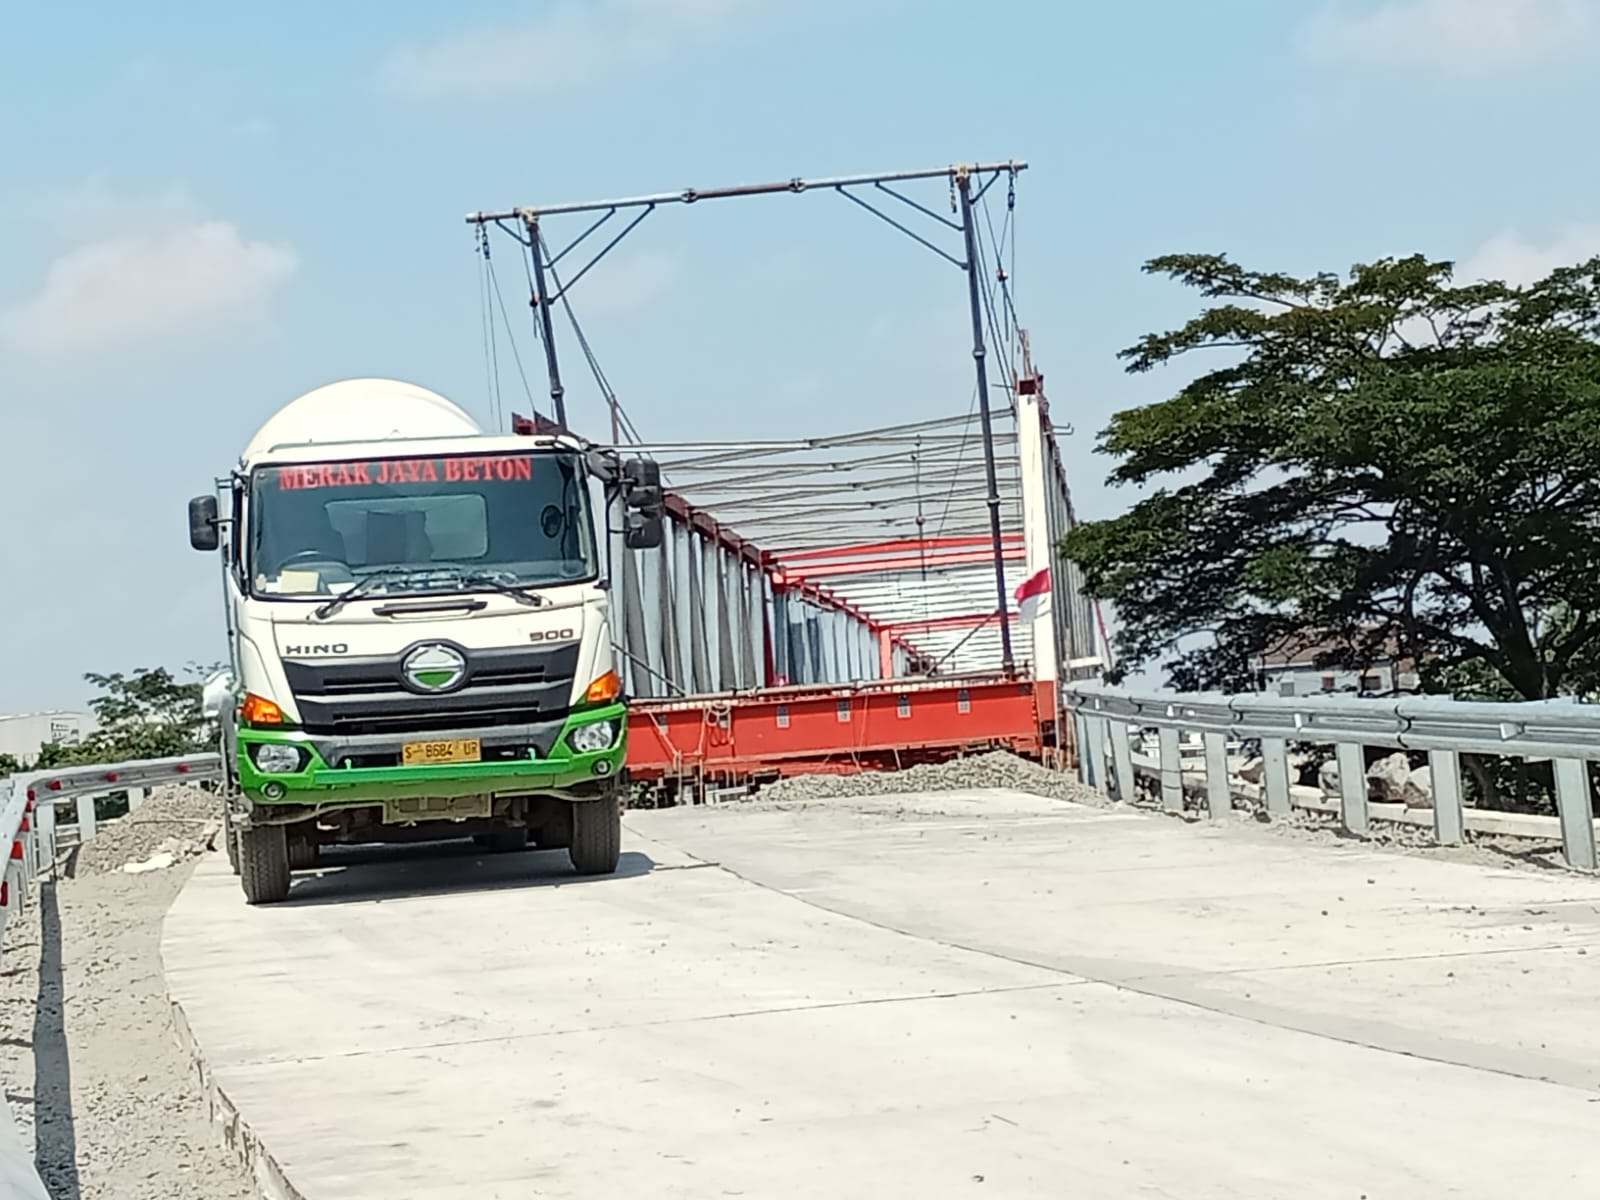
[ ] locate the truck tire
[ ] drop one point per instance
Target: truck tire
(264, 864)
(596, 836)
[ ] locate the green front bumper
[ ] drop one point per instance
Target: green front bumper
(321, 783)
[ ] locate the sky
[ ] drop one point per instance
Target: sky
(210, 211)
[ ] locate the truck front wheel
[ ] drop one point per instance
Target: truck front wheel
(596, 835)
(264, 864)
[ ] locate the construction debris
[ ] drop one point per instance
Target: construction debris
(174, 825)
(997, 769)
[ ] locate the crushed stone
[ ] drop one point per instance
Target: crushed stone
(173, 825)
(980, 772)
(91, 1062)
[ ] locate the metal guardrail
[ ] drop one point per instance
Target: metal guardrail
(28, 836)
(1566, 732)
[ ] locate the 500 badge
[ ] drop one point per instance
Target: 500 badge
(552, 635)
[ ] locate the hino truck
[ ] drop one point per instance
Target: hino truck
(419, 631)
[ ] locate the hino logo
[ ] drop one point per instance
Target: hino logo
(434, 667)
(325, 648)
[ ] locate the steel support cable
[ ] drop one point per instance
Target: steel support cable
(735, 492)
(1003, 272)
(491, 383)
(762, 477)
(488, 300)
(889, 434)
(511, 337)
(622, 422)
(986, 296)
(803, 500)
(966, 441)
(813, 500)
(941, 447)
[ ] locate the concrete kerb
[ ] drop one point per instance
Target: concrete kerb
(229, 1124)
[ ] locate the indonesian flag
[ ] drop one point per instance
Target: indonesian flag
(1033, 597)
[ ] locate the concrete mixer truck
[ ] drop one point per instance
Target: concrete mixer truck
(419, 632)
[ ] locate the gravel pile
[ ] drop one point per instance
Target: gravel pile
(997, 769)
(175, 824)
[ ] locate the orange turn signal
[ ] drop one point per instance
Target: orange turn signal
(258, 710)
(605, 689)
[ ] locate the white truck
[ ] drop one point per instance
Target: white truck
(419, 632)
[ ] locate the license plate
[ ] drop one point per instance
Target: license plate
(456, 750)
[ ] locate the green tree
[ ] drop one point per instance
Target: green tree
(146, 714)
(1387, 457)
(10, 765)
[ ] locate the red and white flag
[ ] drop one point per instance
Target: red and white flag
(1033, 596)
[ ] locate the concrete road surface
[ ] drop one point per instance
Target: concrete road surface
(970, 995)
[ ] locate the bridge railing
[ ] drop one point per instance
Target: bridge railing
(28, 837)
(1565, 732)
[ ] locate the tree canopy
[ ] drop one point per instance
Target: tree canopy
(1390, 458)
(147, 713)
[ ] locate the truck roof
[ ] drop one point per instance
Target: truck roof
(333, 419)
(401, 447)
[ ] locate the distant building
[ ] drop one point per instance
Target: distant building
(1292, 671)
(22, 736)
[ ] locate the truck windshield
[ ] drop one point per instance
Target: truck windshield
(447, 523)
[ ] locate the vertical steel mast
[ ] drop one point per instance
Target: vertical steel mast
(980, 355)
(547, 333)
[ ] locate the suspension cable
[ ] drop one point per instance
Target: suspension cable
(496, 408)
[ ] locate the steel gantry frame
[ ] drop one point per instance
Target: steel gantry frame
(968, 181)
(841, 602)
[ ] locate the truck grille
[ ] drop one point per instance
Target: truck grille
(368, 696)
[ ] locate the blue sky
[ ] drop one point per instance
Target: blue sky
(211, 211)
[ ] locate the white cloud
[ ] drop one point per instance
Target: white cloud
(623, 282)
(170, 274)
(569, 43)
(1457, 36)
(1519, 260)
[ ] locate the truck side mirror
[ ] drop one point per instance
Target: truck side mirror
(641, 481)
(204, 532)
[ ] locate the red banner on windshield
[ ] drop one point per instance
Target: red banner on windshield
(388, 472)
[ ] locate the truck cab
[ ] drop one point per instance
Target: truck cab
(419, 630)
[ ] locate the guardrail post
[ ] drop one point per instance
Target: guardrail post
(1080, 728)
(1171, 770)
(45, 815)
(1096, 729)
(85, 818)
(1353, 812)
(1122, 760)
(1275, 776)
(136, 797)
(1449, 818)
(1575, 802)
(1219, 796)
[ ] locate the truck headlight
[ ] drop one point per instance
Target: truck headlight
(276, 758)
(594, 737)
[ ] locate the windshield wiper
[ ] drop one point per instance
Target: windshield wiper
(518, 593)
(472, 579)
(363, 589)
